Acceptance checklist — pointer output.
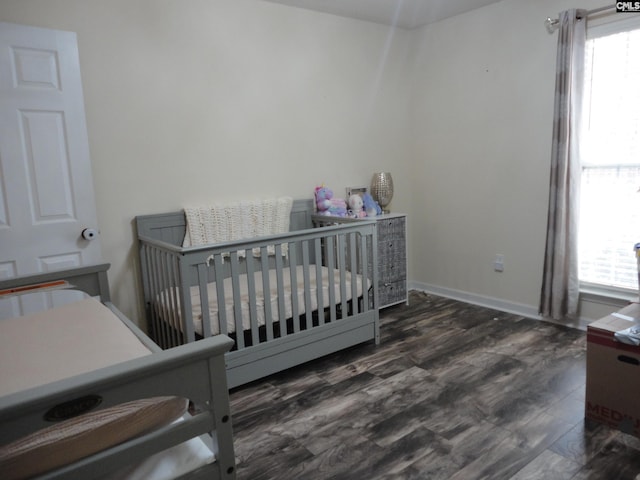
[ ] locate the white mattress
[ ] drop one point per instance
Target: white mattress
(62, 342)
(170, 297)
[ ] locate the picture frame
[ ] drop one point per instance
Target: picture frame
(355, 191)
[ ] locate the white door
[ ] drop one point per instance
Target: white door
(46, 186)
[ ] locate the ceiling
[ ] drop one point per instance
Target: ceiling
(401, 13)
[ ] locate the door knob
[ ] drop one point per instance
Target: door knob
(89, 233)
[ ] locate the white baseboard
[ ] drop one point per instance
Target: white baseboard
(528, 311)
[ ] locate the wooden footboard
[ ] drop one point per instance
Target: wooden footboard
(91, 279)
(194, 371)
(284, 299)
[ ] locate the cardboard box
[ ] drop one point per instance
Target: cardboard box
(613, 373)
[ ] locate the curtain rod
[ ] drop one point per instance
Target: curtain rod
(552, 23)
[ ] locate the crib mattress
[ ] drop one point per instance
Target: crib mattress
(168, 298)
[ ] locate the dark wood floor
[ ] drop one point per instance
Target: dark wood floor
(453, 391)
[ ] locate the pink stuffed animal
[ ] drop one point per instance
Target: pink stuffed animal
(327, 205)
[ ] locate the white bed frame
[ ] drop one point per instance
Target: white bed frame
(342, 249)
(194, 371)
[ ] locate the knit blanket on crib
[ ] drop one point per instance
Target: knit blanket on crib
(220, 223)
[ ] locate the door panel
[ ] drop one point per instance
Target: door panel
(46, 185)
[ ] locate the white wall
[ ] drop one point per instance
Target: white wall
(201, 100)
(198, 101)
(482, 96)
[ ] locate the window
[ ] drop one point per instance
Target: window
(610, 151)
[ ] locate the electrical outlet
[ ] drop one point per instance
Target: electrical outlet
(498, 263)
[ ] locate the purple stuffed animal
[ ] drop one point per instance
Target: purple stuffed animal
(371, 206)
(327, 205)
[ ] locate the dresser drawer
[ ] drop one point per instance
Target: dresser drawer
(393, 249)
(392, 292)
(392, 267)
(391, 227)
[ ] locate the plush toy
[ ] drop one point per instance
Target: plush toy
(327, 205)
(371, 206)
(355, 205)
(323, 199)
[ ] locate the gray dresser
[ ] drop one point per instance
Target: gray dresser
(392, 254)
(392, 259)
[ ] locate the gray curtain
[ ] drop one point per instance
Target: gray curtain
(560, 286)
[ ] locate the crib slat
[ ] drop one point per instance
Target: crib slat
(171, 298)
(364, 273)
(159, 314)
(353, 269)
(222, 309)
(184, 293)
(146, 278)
(282, 318)
(167, 314)
(343, 277)
(152, 294)
(154, 297)
(237, 310)
(251, 286)
(168, 298)
(331, 280)
(293, 274)
(181, 331)
(266, 292)
(319, 287)
(307, 284)
(204, 299)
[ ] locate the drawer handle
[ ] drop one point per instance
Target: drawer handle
(629, 360)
